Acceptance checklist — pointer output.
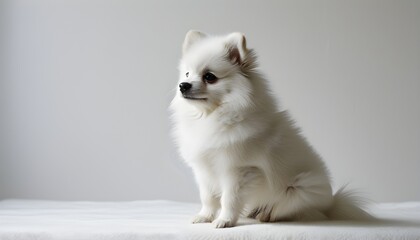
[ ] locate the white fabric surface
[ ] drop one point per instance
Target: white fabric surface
(27, 219)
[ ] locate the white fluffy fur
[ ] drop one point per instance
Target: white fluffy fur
(247, 157)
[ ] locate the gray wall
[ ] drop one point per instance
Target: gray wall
(85, 87)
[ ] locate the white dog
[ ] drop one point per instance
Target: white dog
(247, 157)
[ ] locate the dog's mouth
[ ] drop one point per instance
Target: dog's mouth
(194, 98)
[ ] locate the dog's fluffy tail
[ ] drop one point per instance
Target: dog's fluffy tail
(348, 206)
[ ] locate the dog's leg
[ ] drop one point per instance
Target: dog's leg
(210, 203)
(209, 206)
(305, 198)
(231, 204)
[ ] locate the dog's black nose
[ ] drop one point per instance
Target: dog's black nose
(184, 86)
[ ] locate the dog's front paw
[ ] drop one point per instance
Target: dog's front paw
(223, 223)
(200, 219)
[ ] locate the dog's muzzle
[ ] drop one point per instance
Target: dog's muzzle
(187, 93)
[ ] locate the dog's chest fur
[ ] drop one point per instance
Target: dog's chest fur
(221, 136)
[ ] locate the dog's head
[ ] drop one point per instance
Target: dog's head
(214, 70)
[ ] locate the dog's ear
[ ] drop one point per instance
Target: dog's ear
(236, 46)
(192, 37)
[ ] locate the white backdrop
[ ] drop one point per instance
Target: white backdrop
(85, 86)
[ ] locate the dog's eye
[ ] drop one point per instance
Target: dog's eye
(187, 74)
(209, 77)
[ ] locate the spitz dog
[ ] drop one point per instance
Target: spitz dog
(248, 158)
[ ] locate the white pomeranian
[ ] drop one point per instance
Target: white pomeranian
(248, 158)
